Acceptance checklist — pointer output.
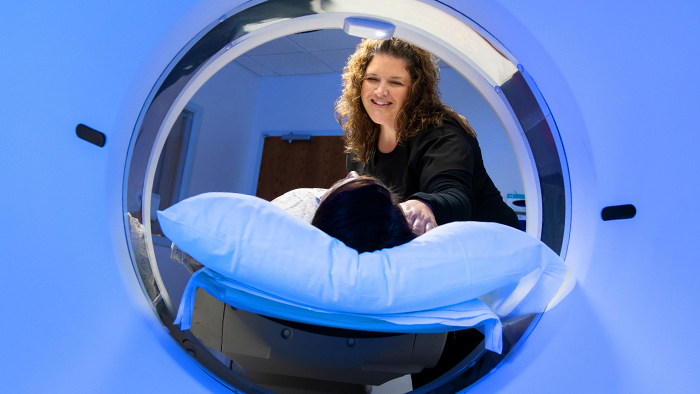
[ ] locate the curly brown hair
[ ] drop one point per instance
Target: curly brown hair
(421, 108)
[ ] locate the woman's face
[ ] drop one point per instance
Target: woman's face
(384, 89)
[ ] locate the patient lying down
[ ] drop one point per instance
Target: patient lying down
(359, 211)
(266, 261)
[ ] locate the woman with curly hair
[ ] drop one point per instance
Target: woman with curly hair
(397, 130)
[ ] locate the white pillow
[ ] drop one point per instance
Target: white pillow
(256, 243)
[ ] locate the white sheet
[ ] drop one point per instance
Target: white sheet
(473, 313)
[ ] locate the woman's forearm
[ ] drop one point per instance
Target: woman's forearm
(450, 197)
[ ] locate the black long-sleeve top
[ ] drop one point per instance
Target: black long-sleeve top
(443, 167)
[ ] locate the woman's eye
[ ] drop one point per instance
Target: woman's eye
(397, 83)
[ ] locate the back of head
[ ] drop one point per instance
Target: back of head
(422, 107)
(364, 215)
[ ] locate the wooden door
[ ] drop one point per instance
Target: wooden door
(286, 166)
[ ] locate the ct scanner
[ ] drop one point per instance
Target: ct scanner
(597, 100)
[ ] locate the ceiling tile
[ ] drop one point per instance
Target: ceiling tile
(293, 64)
(254, 66)
(318, 52)
(275, 47)
(324, 40)
(335, 59)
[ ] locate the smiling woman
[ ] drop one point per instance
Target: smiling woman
(419, 147)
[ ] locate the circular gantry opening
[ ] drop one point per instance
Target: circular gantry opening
(238, 109)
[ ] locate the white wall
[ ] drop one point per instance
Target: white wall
(303, 102)
(221, 160)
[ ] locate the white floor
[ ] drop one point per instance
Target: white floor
(396, 386)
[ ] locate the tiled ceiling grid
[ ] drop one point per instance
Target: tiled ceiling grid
(317, 52)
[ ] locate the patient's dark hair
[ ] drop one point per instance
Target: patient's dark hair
(364, 215)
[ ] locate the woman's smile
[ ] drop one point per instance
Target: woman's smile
(380, 104)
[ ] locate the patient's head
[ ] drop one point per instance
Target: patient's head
(362, 213)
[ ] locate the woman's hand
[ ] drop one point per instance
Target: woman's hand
(419, 215)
